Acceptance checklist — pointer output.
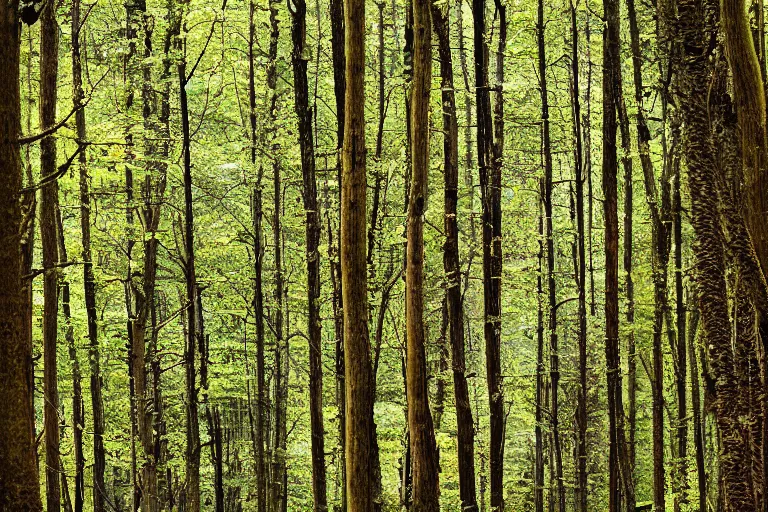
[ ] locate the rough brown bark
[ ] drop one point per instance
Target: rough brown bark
(49, 63)
(357, 367)
(611, 77)
(489, 164)
(426, 490)
(453, 293)
(334, 249)
(708, 249)
(19, 482)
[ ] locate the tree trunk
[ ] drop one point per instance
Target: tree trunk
(192, 453)
(298, 10)
(546, 192)
(426, 490)
(78, 408)
(49, 63)
(708, 249)
(89, 282)
(357, 367)
(334, 249)
(258, 293)
(490, 174)
(698, 430)
(451, 265)
(538, 478)
(617, 461)
(581, 275)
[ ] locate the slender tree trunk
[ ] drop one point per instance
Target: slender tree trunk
(681, 365)
(89, 282)
(538, 478)
(258, 293)
(192, 453)
(334, 249)
(581, 275)
(359, 402)
(617, 461)
(298, 10)
(490, 174)
(49, 63)
(626, 162)
(426, 490)
(453, 292)
(78, 408)
(696, 412)
(554, 363)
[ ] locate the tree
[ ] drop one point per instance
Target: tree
(49, 204)
(451, 264)
(298, 10)
(19, 480)
(422, 436)
(357, 365)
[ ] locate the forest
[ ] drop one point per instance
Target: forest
(383, 255)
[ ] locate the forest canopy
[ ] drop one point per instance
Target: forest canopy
(368, 256)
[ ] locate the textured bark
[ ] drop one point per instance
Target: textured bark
(708, 249)
(453, 292)
(49, 204)
(298, 10)
(334, 249)
(357, 367)
(618, 460)
(489, 164)
(19, 480)
(424, 463)
(696, 411)
(749, 99)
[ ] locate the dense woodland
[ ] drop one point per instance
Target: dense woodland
(367, 256)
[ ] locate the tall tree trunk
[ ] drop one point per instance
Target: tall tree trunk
(18, 473)
(490, 175)
(453, 293)
(49, 63)
(298, 10)
(192, 453)
(426, 490)
(708, 249)
(334, 249)
(696, 411)
(681, 365)
(89, 281)
(258, 293)
(626, 162)
(581, 274)
(538, 478)
(78, 408)
(617, 461)
(357, 367)
(546, 192)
